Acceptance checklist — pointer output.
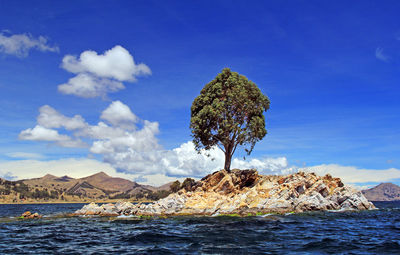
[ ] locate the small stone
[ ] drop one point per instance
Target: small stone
(26, 214)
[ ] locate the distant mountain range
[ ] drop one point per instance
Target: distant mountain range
(97, 187)
(383, 192)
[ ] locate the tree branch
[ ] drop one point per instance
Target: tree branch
(234, 148)
(219, 146)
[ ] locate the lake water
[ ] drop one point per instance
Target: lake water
(365, 232)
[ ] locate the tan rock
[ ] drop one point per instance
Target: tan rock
(29, 215)
(26, 214)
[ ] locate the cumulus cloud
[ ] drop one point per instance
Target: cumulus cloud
(99, 74)
(89, 86)
(20, 44)
(119, 114)
(186, 161)
(115, 63)
(39, 133)
(50, 118)
(380, 55)
(279, 165)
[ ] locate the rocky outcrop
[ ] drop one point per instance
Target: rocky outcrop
(246, 192)
(29, 215)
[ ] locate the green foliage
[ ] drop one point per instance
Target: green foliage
(4, 191)
(188, 183)
(54, 194)
(145, 217)
(229, 215)
(157, 195)
(21, 187)
(122, 195)
(175, 186)
(229, 112)
(139, 196)
(39, 194)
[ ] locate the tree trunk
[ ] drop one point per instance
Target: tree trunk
(228, 158)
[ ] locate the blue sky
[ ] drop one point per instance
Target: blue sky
(331, 70)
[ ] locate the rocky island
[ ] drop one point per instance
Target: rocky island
(245, 192)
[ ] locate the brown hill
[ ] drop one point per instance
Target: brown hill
(383, 192)
(106, 182)
(98, 187)
(166, 186)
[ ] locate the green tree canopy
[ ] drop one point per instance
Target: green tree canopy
(175, 186)
(228, 112)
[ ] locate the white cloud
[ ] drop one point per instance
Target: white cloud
(89, 86)
(116, 63)
(278, 165)
(20, 44)
(119, 114)
(157, 179)
(380, 55)
(24, 155)
(185, 161)
(50, 118)
(123, 139)
(354, 175)
(99, 74)
(39, 133)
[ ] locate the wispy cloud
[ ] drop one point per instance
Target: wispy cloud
(24, 155)
(380, 55)
(20, 44)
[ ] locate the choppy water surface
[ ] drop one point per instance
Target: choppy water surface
(367, 232)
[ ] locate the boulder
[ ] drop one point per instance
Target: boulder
(29, 215)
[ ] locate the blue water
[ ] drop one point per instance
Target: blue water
(366, 232)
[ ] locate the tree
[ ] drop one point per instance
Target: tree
(228, 112)
(188, 183)
(175, 186)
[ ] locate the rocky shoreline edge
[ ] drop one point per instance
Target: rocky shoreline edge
(244, 193)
